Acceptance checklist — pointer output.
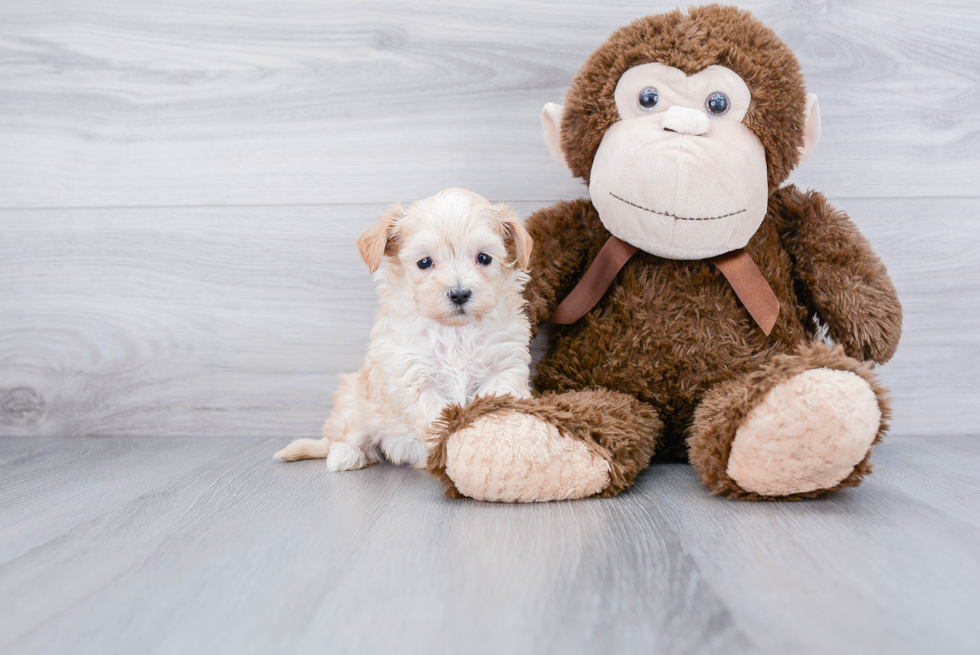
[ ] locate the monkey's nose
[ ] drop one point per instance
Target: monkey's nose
(460, 296)
(685, 120)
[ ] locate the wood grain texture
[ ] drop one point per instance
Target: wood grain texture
(208, 102)
(237, 321)
(191, 545)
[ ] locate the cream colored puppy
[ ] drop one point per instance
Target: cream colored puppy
(450, 326)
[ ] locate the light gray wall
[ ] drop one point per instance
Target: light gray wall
(181, 184)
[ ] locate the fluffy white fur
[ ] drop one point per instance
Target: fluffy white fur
(426, 351)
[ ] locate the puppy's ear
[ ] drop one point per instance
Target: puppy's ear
(515, 235)
(380, 239)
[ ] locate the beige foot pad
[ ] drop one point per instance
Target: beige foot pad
(808, 433)
(516, 458)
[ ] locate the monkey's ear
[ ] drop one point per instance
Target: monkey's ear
(811, 128)
(379, 239)
(515, 234)
(551, 123)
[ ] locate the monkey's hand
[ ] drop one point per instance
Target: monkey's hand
(845, 284)
(567, 236)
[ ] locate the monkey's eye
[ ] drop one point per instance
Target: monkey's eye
(717, 104)
(484, 258)
(649, 97)
(425, 262)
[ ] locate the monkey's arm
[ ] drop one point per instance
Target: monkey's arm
(565, 236)
(844, 282)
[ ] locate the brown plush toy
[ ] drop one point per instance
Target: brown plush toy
(692, 291)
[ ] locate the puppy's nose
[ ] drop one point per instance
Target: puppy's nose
(460, 296)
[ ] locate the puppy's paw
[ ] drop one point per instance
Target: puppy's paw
(408, 452)
(345, 457)
(420, 455)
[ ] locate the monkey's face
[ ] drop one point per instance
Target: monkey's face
(680, 152)
(679, 175)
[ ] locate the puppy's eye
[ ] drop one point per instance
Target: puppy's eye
(484, 258)
(717, 104)
(649, 97)
(425, 262)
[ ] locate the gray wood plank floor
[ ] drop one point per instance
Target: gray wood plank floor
(205, 545)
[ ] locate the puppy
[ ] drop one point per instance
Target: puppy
(450, 326)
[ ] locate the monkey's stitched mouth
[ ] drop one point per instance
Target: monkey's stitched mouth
(669, 215)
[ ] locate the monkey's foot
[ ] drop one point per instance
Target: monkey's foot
(808, 433)
(513, 457)
(799, 427)
(554, 447)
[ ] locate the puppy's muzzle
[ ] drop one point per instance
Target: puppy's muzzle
(460, 297)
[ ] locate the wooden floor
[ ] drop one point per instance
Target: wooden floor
(206, 545)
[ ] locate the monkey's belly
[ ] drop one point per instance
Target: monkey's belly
(650, 339)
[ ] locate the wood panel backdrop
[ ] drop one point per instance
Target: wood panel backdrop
(181, 184)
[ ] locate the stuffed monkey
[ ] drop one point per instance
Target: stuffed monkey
(691, 291)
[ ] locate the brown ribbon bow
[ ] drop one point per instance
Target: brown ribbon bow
(737, 267)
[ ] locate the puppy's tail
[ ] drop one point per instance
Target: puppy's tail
(305, 449)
